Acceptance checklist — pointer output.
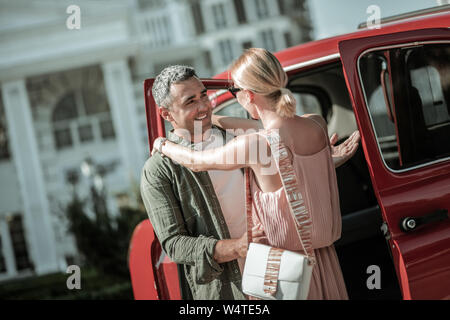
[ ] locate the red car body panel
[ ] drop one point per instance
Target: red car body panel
(422, 257)
(151, 279)
(414, 193)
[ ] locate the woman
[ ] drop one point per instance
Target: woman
(260, 84)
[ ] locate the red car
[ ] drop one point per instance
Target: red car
(393, 85)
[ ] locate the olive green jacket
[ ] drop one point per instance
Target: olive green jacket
(186, 216)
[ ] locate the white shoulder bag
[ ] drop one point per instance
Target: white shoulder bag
(273, 273)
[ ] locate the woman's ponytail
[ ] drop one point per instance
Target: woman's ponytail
(286, 106)
(259, 71)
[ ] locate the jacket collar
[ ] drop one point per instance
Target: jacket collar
(183, 142)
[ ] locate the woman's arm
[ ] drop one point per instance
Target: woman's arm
(240, 152)
(235, 123)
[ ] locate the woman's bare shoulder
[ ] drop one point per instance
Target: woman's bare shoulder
(316, 117)
(311, 134)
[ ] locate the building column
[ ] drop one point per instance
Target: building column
(25, 154)
(119, 89)
(7, 248)
(183, 27)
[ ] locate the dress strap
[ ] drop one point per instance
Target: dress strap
(297, 205)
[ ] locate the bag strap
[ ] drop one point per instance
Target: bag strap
(297, 205)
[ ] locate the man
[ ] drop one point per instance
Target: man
(199, 217)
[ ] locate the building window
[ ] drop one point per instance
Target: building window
(246, 45)
(85, 132)
(207, 59)
(78, 115)
(262, 11)
(2, 257)
(288, 39)
(17, 234)
(282, 7)
(149, 4)
(198, 18)
(4, 148)
(219, 15)
(107, 129)
(268, 40)
(63, 138)
(226, 51)
(240, 11)
(167, 38)
(299, 4)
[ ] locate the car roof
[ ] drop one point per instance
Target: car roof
(328, 47)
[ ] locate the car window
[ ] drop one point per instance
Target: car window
(407, 92)
(427, 80)
(231, 108)
(307, 103)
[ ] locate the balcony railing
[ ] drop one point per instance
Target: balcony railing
(161, 28)
(155, 29)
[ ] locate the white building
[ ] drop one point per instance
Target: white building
(68, 94)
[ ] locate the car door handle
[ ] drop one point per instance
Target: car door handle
(408, 224)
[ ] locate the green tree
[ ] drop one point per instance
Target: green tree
(103, 242)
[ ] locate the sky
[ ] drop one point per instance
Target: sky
(333, 17)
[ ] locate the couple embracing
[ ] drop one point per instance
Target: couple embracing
(193, 186)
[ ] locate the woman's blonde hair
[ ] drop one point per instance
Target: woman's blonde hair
(259, 71)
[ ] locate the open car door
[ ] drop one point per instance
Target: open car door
(400, 92)
(153, 274)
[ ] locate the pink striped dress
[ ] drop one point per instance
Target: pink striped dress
(317, 178)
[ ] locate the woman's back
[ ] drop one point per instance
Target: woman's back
(302, 136)
(316, 177)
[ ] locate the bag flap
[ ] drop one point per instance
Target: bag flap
(292, 264)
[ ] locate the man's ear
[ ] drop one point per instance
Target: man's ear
(165, 113)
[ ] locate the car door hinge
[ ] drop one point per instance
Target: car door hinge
(385, 230)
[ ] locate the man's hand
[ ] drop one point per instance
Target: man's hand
(345, 150)
(241, 246)
(258, 236)
(231, 249)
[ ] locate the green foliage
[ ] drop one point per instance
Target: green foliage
(104, 241)
(94, 285)
(103, 244)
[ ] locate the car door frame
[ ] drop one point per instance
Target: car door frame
(395, 189)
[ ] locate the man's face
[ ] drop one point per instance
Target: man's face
(190, 104)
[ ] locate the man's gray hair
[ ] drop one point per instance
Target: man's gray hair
(167, 77)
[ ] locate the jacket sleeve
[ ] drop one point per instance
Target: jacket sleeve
(166, 216)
